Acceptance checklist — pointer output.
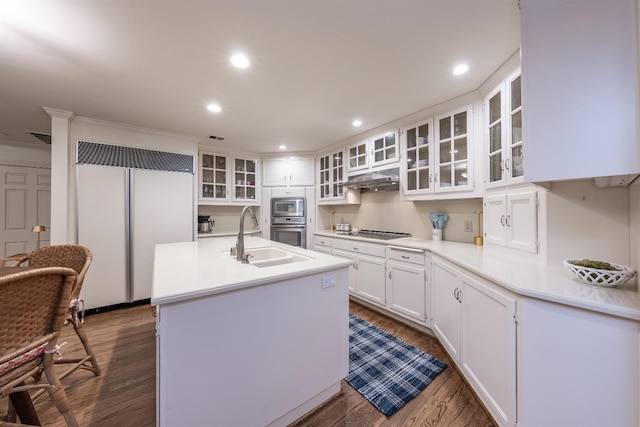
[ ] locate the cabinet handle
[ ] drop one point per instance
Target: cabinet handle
(353, 265)
(290, 178)
(404, 257)
(502, 220)
(398, 248)
(506, 163)
(508, 221)
(355, 249)
(455, 293)
(436, 177)
(357, 267)
(430, 177)
(389, 274)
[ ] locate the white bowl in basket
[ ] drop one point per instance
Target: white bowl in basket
(599, 277)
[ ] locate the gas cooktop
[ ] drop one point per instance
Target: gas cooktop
(374, 234)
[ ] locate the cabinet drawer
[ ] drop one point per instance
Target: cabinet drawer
(414, 256)
(359, 247)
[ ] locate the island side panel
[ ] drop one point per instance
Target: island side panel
(250, 356)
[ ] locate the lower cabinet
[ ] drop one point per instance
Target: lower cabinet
(447, 288)
(367, 271)
(488, 346)
(322, 244)
(475, 322)
(406, 282)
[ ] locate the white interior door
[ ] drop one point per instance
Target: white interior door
(162, 211)
(101, 228)
(25, 202)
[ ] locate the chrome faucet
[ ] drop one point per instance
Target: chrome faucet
(240, 256)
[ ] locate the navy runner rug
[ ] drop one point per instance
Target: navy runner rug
(384, 369)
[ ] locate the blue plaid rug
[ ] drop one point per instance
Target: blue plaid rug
(387, 371)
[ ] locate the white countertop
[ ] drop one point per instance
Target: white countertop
(525, 274)
(188, 270)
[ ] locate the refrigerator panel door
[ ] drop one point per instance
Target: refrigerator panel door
(162, 212)
(101, 212)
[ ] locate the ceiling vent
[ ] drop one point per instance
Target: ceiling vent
(41, 136)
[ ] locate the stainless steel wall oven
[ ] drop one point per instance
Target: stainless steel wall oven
(289, 221)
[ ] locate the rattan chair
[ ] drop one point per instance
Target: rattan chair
(33, 305)
(77, 258)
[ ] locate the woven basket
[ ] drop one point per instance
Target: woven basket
(598, 277)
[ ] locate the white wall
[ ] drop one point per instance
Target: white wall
(23, 154)
(227, 217)
(584, 221)
(385, 211)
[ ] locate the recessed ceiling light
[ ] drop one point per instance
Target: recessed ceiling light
(357, 123)
(240, 61)
(214, 108)
(460, 69)
(283, 147)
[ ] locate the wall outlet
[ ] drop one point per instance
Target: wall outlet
(468, 226)
(328, 281)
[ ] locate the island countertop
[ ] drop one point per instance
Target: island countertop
(188, 270)
(525, 275)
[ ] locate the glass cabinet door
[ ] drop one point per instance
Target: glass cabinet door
(214, 177)
(337, 174)
(453, 155)
(385, 148)
(515, 117)
(418, 141)
(325, 179)
(244, 176)
(358, 156)
(496, 165)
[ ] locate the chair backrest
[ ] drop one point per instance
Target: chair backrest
(33, 306)
(71, 256)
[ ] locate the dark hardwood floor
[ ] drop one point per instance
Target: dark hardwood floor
(124, 395)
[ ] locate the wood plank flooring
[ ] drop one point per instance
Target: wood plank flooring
(124, 395)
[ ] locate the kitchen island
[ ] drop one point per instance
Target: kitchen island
(242, 344)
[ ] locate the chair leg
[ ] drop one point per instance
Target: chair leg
(58, 395)
(77, 326)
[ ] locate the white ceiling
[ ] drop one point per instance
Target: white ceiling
(316, 64)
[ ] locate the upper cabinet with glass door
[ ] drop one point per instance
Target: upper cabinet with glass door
(503, 119)
(330, 183)
(226, 179)
(453, 162)
(374, 152)
(417, 170)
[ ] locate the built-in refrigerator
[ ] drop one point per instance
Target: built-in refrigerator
(129, 200)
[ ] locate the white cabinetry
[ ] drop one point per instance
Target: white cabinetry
(453, 151)
(503, 121)
(475, 322)
(439, 155)
(368, 268)
(510, 219)
(322, 244)
(288, 171)
(579, 88)
(331, 169)
(446, 289)
(417, 171)
(406, 282)
(488, 346)
(226, 178)
(376, 151)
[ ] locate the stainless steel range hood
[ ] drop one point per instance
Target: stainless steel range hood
(384, 180)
